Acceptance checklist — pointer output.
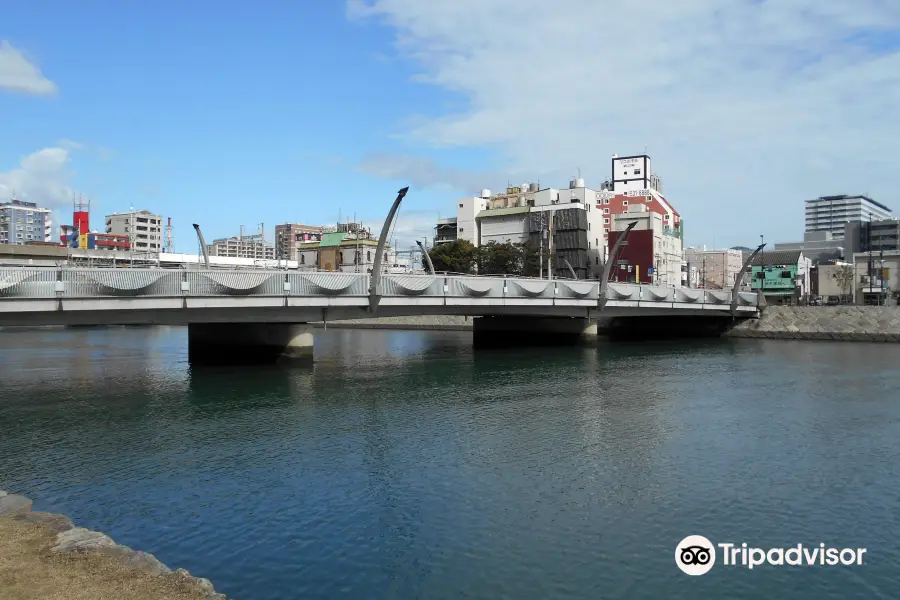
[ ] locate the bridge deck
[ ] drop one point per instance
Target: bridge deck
(84, 295)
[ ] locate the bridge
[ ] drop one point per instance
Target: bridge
(270, 312)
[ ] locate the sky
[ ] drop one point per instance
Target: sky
(233, 114)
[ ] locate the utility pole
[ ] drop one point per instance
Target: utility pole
(549, 244)
(541, 250)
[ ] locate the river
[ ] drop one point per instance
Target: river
(406, 465)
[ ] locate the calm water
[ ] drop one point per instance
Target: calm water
(406, 466)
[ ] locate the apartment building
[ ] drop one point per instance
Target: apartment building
(143, 227)
(242, 246)
(22, 222)
(832, 213)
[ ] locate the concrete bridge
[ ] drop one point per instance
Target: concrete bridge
(268, 314)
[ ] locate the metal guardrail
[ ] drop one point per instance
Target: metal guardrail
(44, 283)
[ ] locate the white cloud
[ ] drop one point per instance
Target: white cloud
(18, 74)
(747, 107)
(41, 177)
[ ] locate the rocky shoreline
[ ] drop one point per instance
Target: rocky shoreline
(825, 323)
(69, 539)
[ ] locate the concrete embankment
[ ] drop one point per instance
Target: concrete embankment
(840, 323)
(43, 555)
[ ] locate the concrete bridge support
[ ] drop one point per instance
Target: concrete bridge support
(250, 343)
(500, 332)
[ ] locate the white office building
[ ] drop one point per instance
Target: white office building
(144, 229)
(831, 213)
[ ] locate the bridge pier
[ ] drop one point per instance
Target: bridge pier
(500, 332)
(250, 343)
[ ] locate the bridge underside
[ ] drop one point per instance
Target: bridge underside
(250, 343)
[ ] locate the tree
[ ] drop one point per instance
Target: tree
(534, 262)
(458, 256)
(844, 278)
(500, 259)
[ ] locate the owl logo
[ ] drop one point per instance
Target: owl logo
(695, 555)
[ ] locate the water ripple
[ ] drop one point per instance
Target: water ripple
(405, 465)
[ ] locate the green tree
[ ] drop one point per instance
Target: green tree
(500, 259)
(459, 256)
(534, 262)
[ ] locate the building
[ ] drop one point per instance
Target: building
(783, 276)
(832, 213)
(714, 269)
(872, 236)
(875, 278)
(242, 246)
(289, 237)
(834, 280)
(652, 253)
(339, 251)
(466, 213)
(818, 246)
(143, 228)
(22, 222)
(633, 173)
(445, 231)
(508, 216)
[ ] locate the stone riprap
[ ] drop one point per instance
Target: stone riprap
(836, 323)
(78, 539)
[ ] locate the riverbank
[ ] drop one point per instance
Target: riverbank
(43, 556)
(835, 323)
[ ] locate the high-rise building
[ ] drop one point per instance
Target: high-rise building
(22, 222)
(831, 213)
(144, 229)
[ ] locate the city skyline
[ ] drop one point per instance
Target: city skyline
(241, 118)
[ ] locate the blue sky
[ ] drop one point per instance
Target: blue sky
(240, 113)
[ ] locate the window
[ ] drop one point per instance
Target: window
(589, 225)
(596, 260)
(624, 202)
(461, 229)
(606, 221)
(637, 171)
(460, 205)
(596, 241)
(368, 256)
(605, 211)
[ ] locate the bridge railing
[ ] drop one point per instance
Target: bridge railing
(136, 282)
